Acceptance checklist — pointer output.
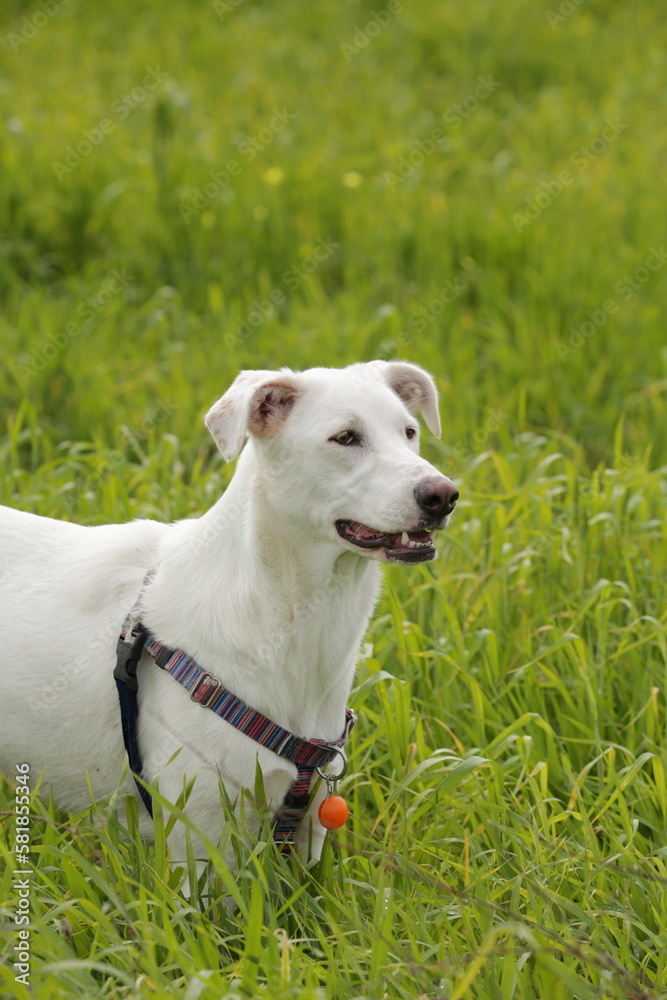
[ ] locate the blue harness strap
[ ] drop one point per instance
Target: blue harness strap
(128, 655)
(209, 692)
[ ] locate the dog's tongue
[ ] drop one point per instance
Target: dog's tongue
(362, 532)
(393, 540)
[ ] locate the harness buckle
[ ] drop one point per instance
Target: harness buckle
(202, 680)
(292, 801)
(128, 655)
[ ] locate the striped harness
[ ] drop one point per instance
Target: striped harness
(209, 692)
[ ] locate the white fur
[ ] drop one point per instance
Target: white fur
(261, 591)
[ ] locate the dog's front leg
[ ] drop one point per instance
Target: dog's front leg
(205, 808)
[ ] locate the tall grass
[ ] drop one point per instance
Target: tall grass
(507, 780)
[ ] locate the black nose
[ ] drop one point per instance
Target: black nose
(436, 497)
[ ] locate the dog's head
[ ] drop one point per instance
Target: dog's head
(336, 454)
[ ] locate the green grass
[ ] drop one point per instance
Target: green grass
(508, 837)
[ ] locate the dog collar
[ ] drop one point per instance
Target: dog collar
(209, 692)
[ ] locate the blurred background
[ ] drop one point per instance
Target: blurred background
(189, 189)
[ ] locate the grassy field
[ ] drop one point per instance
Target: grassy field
(193, 189)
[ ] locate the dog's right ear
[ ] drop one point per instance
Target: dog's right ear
(257, 403)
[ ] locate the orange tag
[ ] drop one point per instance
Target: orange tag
(333, 812)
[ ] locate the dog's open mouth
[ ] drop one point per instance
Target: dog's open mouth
(397, 546)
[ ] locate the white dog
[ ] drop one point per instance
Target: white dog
(270, 592)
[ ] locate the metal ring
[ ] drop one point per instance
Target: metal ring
(334, 777)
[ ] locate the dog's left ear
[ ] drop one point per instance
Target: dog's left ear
(257, 403)
(414, 387)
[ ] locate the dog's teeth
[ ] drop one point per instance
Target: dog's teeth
(405, 538)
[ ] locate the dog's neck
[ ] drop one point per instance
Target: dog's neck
(278, 618)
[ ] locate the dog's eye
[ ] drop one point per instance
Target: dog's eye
(410, 432)
(346, 438)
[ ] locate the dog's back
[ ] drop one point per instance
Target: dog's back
(64, 592)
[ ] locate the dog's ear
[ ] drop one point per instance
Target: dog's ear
(257, 402)
(414, 387)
